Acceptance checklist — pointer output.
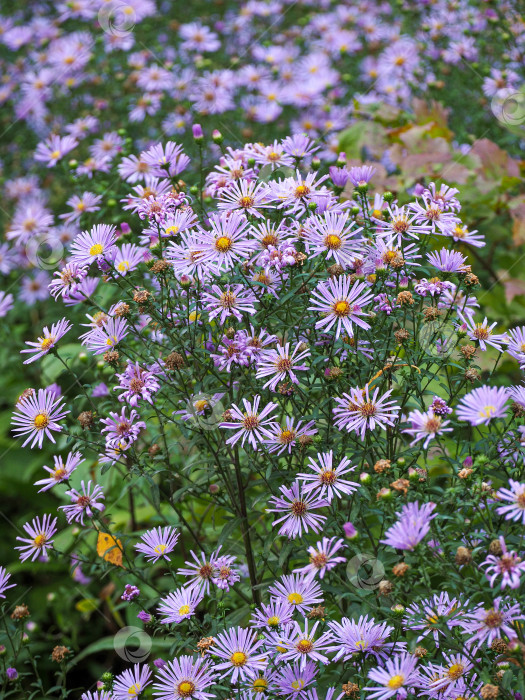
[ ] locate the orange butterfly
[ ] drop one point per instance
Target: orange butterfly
(110, 549)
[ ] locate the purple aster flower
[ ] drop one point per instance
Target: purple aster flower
(412, 526)
(433, 286)
(40, 537)
(130, 593)
(341, 303)
(398, 673)
(297, 506)
(11, 673)
(201, 571)
(47, 341)
(509, 566)
(179, 605)
(482, 405)
(81, 204)
(250, 423)
(291, 681)
(425, 426)
(350, 530)
(83, 503)
(235, 300)
(165, 160)
(247, 196)
(226, 243)
(158, 543)
(326, 480)
(299, 145)
(223, 575)
(61, 471)
(184, 677)
(237, 648)
(322, 557)
(440, 221)
(131, 683)
(515, 495)
(443, 678)
(278, 613)
(445, 197)
(4, 579)
(448, 260)
(484, 625)
(429, 615)
(54, 148)
(122, 430)
(281, 363)
(6, 303)
(361, 175)
(97, 244)
(302, 592)
(351, 639)
(67, 280)
(333, 235)
(285, 437)
(400, 224)
(482, 332)
(302, 646)
(339, 176)
(103, 338)
(136, 383)
(38, 415)
(359, 412)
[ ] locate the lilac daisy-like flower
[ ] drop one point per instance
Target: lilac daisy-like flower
(68, 280)
(237, 648)
(131, 682)
(250, 423)
(165, 160)
(515, 495)
(280, 364)
(183, 678)
(341, 304)
(360, 412)
(245, 195)
(227, 241)
(54, 148)
(482, 332)
(107, 336)
(302, 592)
(412, 526)
(223, 575)
(92, 246)
(448, 260)
(331, 233)
(442, 679)
(158, 543)
(120, 429)
(484, 625)
(508, 565)
(37, 416)
(326, 480)
(6, 303)
(482, 405)
(97, 695)
(297, 506)
(290, 681)
(84, 502)
(516, 344)
(234, 300)
(461, 234)
(425, 426)
(401, 224)
(285, 437)
(179, 605)
(301, 645)
(137, 383)
(4, 580)
(48, 340)
(201, 571)
(295, 193)
(432, 615)
(398, 673)
(323, 557)
(278, 613)
(40, 537)
(61, 471)
(128, 258)
(365, 637)
(428, 212)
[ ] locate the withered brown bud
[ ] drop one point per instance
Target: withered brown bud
(401, 336)
(111, 357)
(353, 278)
(229, 332)
(204, 644)
(489, 692)
(174, 361)
(385, 587)
(153, 450)
(431, 313)
(468, 351)
(420, 652)
(141, 296)
(247, 268)
(160, 266)
(472, 375)
(59, 653)
(26, 394)
(463, 556)
(227, 416)
(86, 419)
(20, 612)
(401, 485)
(517, 409)
(285, 388)
(121, 310)
(465, 473)
(471, 280)
(499, 646)
(335, 373)
(495, 548)
(305, 441)
(317, 613)
(299, 258)
(400, 569)
(350, 689)
(405, 299)
(335, 270)
(382, 465)
(397, 262)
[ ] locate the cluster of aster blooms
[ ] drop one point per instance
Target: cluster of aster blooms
(325, 492)
(285, 66)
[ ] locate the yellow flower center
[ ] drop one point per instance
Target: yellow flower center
(223, 244)
(41, 421)
(186, 689)
(96, 249)
(273, 621)
(184, 610)
(160, 548)
(396, 682)
(333, 242)
(295, 598)
(55, 155)
(238, 658)
(260, 685)
(134, 691)
(172, 230)
(487, 411)
(40, 541)
(59, 473)
(46, 343)
(342, 308)
(455, 671)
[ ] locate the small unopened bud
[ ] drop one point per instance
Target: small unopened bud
(216, 136)
(198, 133)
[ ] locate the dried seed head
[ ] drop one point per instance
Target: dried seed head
(401, 336)
(471, 280)
(405, 299)
(317, 613)
(174, 361)
(382, 465)
(400, 569)
(468, 351)
(489, 692)
(20, 612)
(463, 556)
(335, 270)
(59, 653)
(401, 485)
(420, 652)
(86, 419)
(472, 375)
(111, 357)
(121, 310)
(495, 548)
(431, 313)
(385, 587)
